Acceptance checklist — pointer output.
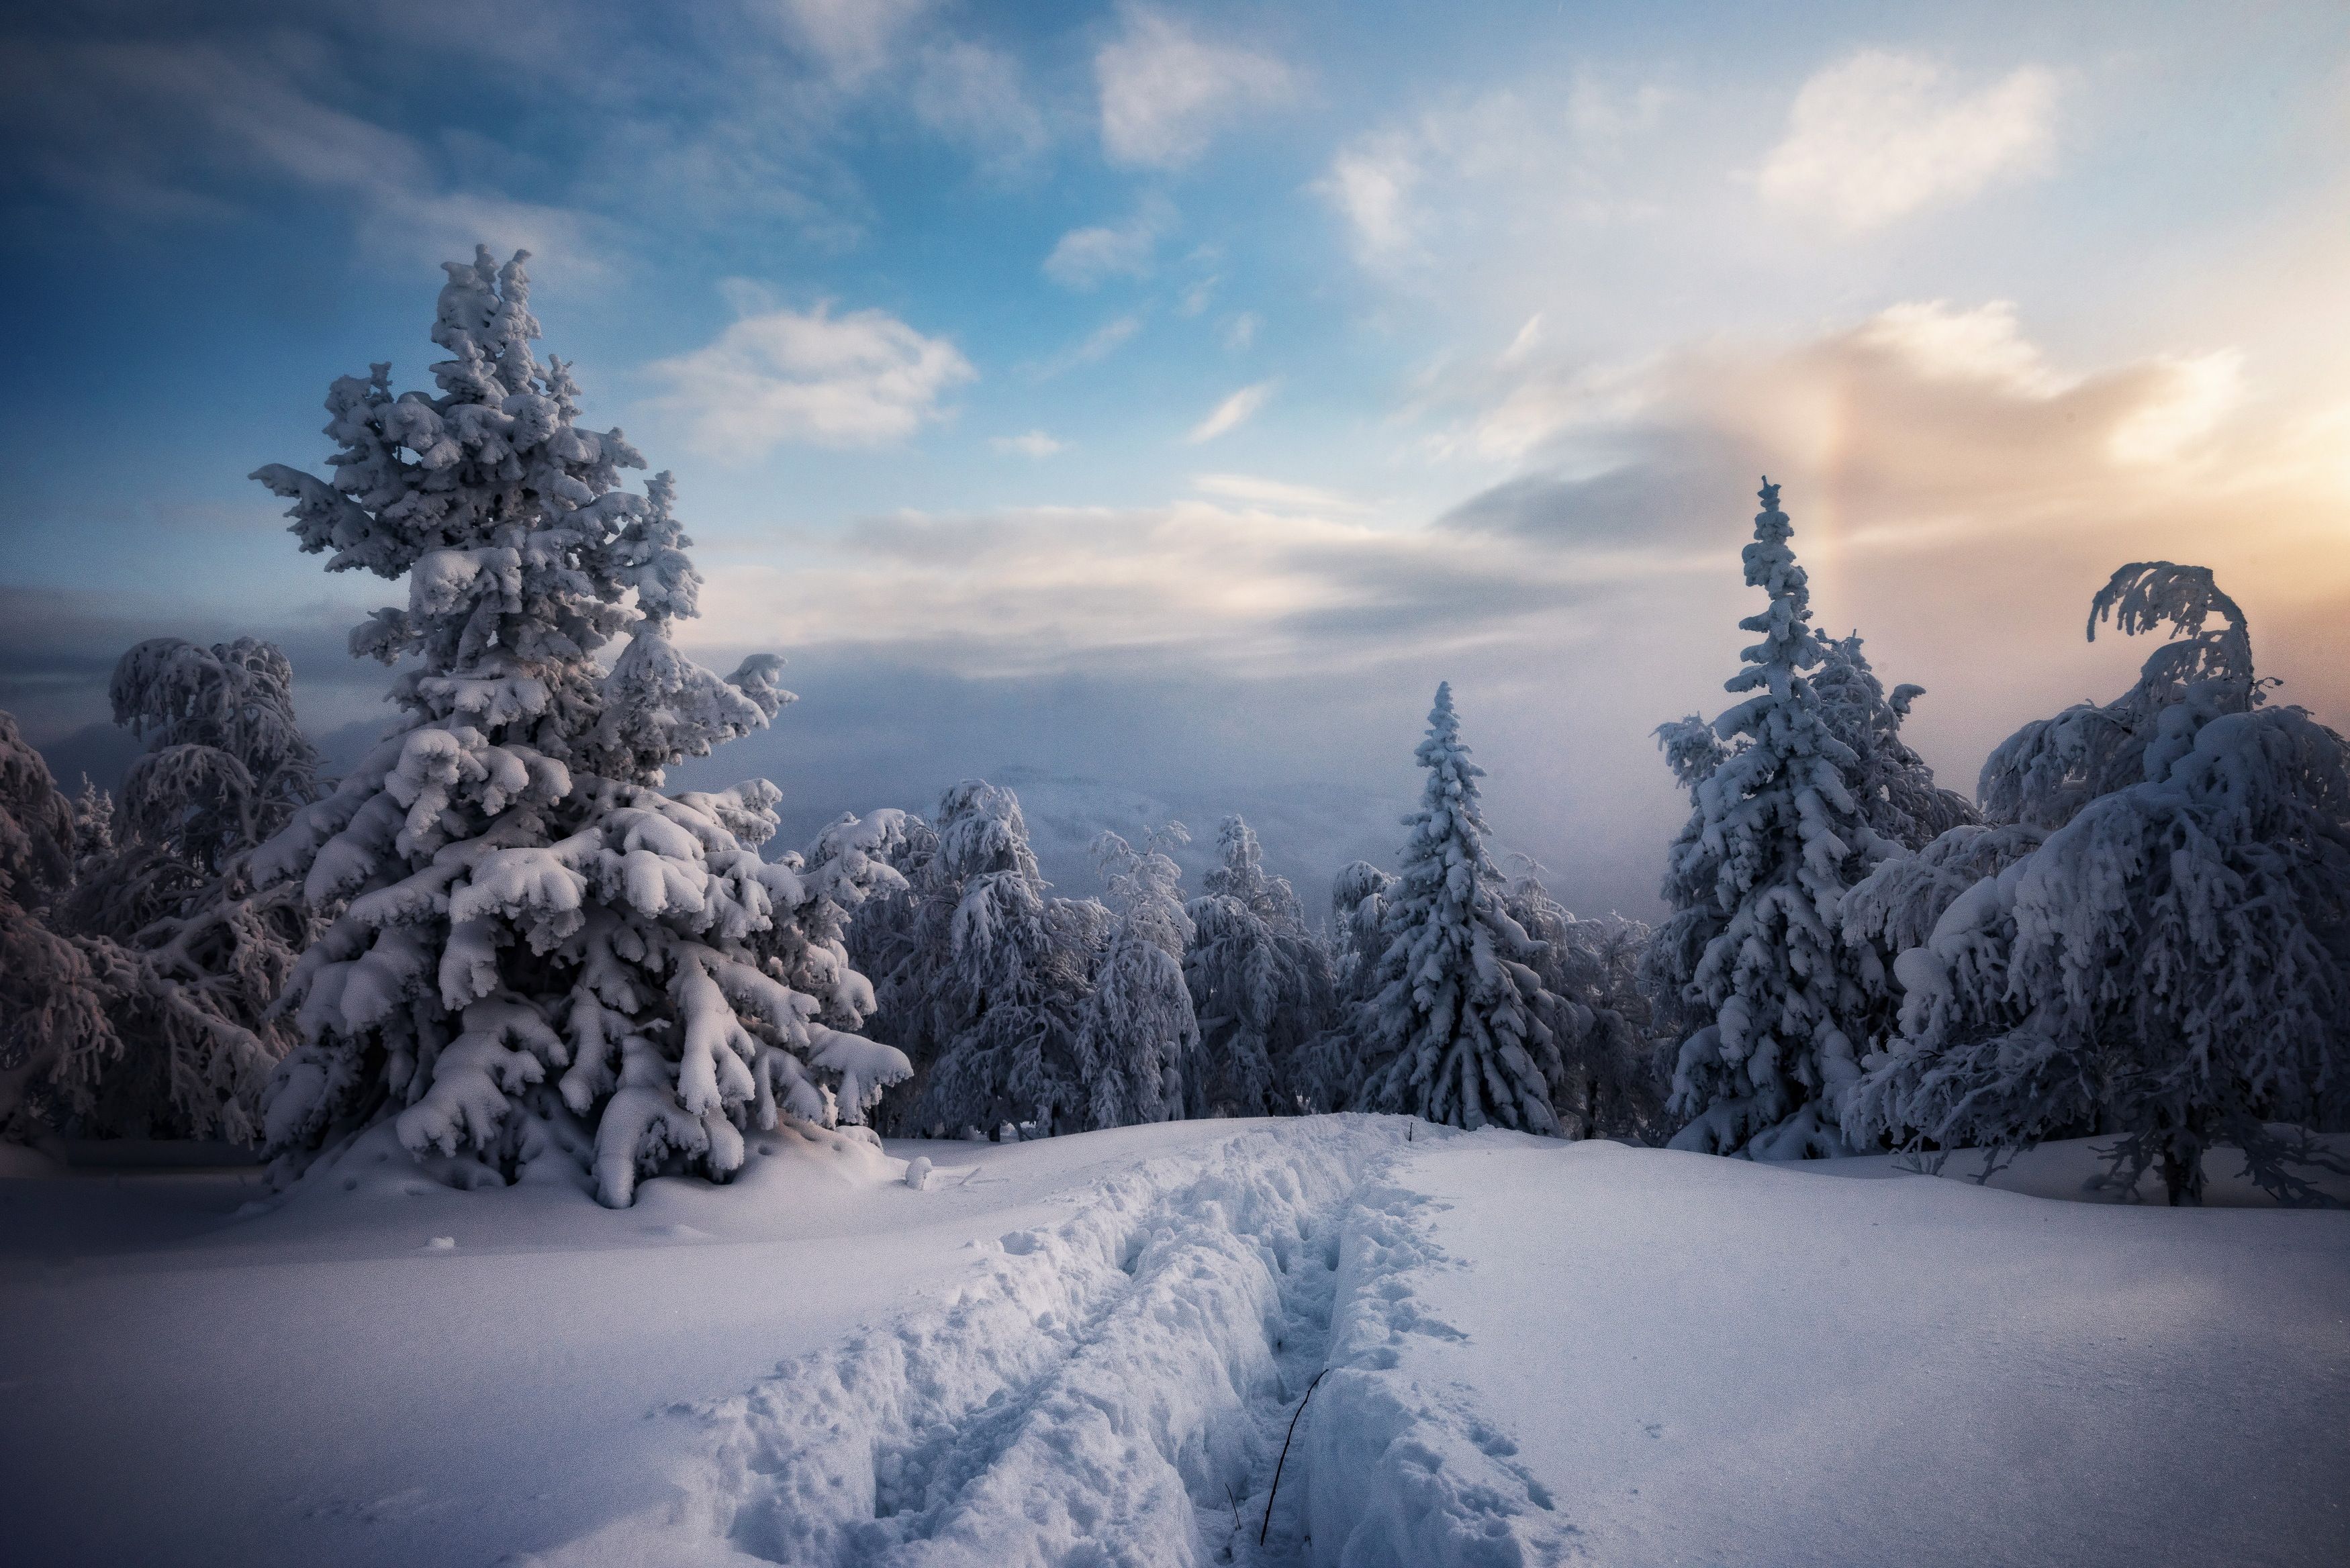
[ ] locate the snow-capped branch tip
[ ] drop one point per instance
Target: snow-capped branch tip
(2144, 594)
(755, 677)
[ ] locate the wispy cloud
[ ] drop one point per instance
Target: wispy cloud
(1879, 136)
(865, 379)
(1164, 91)
(974, 95)
(1040, 588)
(1035, 443)
(1402, 186)
(852, 38)
(1232, 413)
(1084, 258)
(1095, 346)
(1256, 491)
(1371, 185)
(153, 133)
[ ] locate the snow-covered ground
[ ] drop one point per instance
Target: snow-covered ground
(1089, 1351)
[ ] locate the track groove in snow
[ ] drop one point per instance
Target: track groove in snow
(1114, 1389)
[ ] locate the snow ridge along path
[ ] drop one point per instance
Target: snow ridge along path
(1114, 1389)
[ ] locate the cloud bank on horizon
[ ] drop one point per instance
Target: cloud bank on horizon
(1167, 396)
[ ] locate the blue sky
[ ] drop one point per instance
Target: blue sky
(1169, 396)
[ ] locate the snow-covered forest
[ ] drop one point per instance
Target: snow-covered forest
(503, 969)
(500, 937)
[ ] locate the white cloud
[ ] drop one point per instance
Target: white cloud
(1273, 493)
(1240, 332)
(972, 94)
(1085, 258)
(1372, 185)
(1881, 135)
(2199, 393)
(853, 38)
(865, 379)
(1035, 443)
(1163, 91)
(1986, 344)
(1232, 413)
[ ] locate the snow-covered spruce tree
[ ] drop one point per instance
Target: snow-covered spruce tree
(542, 956)
(1262, 985)
(2171, 964)
(994, 978)
(881, 939)
(1327, 1075)
(1895, 788)
(56, 992)
(1612, 1080)
(1358, 907)
(165, 879)
(1749, 964)
(1138, 1040)
(1456, 1030)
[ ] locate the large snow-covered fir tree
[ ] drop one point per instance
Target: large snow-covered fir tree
(2169, 961)
(1139, 1039)
(991, 976)
(1261, 984)
(541, 955)
(1456, 1030)
(165, 879)
(1749, 963)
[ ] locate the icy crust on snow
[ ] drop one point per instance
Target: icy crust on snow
(1114, 1388)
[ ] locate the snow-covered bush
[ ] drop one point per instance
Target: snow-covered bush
(203, 952)
(1613, 1081)
(2170, 963)
(2050, 768)
(1138, 1040)
(56, 1034)
(993, 976)
(1455, 1031)
(1262, 985)
(541, 955)
(1749, 964)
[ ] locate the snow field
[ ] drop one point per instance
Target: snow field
(1713, 1361)
(1088, 1350)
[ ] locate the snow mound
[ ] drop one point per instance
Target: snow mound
(375, 1165)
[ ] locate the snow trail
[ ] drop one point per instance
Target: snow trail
(1091, 1381)
(1115, 1389)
